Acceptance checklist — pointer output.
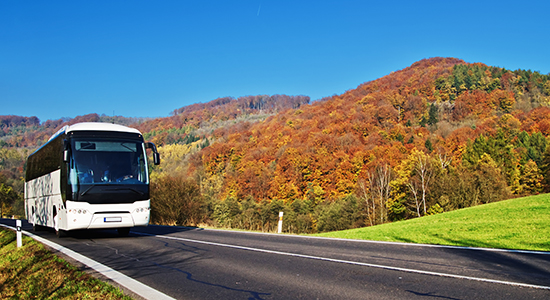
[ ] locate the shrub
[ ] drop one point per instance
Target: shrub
(176, 201)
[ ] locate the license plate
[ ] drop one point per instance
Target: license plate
(112, 219)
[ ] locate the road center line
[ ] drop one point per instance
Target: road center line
(350, 262)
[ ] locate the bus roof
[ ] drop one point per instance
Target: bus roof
(95, 126)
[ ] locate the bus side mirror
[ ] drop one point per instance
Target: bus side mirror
(156, 158)
(66, 154)
(156, 155)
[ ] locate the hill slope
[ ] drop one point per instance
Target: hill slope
(522, 223)
(192, 124)
(481, 131)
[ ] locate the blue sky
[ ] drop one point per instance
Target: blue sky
(147, 58)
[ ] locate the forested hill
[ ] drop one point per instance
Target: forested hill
(439, 135)
(189, 123)
(19, 135)
(28, 132)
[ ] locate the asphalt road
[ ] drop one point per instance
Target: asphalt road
(188, 263)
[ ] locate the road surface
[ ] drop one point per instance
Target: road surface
(187, 263)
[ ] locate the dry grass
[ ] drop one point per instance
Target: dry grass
(33, 272)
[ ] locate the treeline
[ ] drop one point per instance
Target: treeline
(28, 132)
(177, 201)
(248, 104)
(203, 118)
(437, 136)
(13, 121)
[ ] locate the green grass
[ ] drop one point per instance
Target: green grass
(522, 223)
(33, 272)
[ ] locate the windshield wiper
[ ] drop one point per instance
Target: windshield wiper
(87, 190)
(124, 145)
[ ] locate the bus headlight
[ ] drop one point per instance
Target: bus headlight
(141, 209)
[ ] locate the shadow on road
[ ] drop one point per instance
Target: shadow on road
(135, 232)
(515, 266)
(105, 233)
(431, 295)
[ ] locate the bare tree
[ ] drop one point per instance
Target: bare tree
(412, 185)
(375, 190)
(383, 178)
(444, 160)
(364, 192)
(424, 172)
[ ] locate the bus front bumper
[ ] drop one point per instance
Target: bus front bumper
(85, 218)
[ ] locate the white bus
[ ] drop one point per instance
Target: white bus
(89, 175)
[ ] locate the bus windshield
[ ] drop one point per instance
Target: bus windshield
(104, 161)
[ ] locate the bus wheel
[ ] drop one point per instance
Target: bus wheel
(61, 233)
(123, 231)
(36, 227)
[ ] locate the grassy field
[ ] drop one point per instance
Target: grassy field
(522, 223)
(33, 272)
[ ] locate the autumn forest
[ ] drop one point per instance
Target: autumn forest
(439, 135)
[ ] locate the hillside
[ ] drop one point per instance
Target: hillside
(439, 135)
(189, 122)
(29, 132)
(522, 224)
(436, 136)
(19, 135)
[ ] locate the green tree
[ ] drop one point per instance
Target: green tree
(338, 215)
(534, 145)
(432, 114)
(8, 197)
(545, 170)
(428, 145)
(501, 149)
(531, 179)
(490, 184)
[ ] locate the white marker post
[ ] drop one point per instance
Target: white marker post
(280, 228)
(19, 239)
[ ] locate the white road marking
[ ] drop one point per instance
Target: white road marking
(380, 242)
(352, 262)
(135, 286)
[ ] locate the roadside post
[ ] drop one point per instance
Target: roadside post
(19, 239)
(280, 228)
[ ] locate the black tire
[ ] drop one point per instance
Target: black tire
(123, 231)
(61, 233)
(36, 227)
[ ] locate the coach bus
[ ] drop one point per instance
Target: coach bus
(90, 176)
